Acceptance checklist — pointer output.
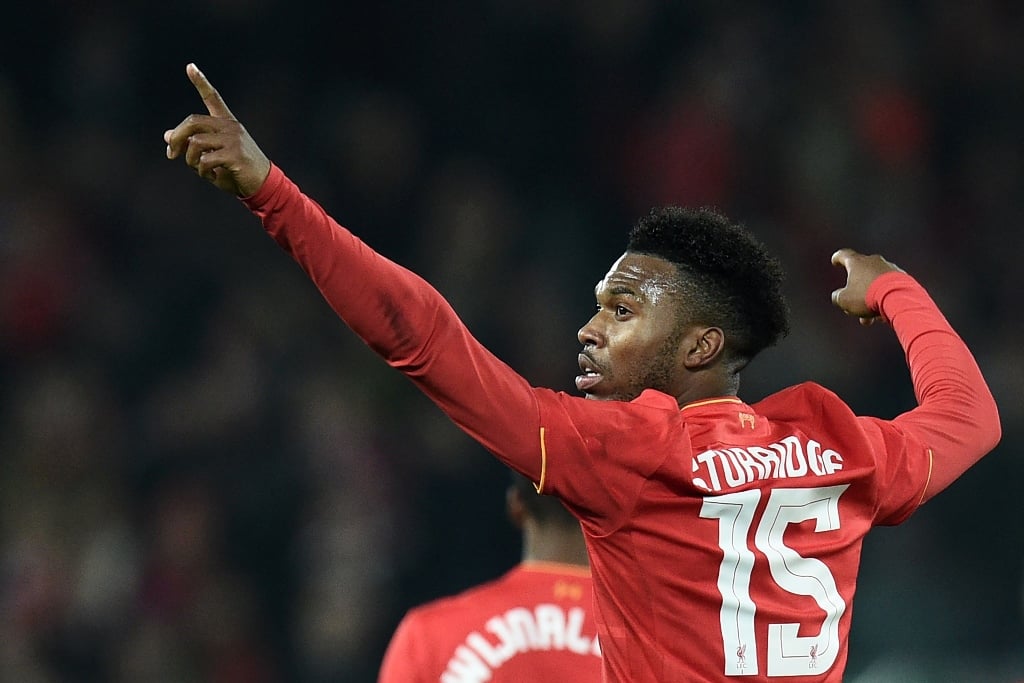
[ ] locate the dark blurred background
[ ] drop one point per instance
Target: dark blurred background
(205, 477)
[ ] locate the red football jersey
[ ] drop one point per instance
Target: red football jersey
(739, 526)
(724, 538)
(535, 624)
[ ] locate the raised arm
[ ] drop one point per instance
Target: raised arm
(393, 310)
(956, 417)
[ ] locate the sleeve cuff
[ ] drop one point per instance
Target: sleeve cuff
(884, 285)
(267, 190)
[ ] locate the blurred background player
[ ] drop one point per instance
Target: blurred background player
(535, 623)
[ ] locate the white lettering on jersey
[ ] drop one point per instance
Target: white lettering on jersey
(793, 649)
(734, 466)
(519, 630)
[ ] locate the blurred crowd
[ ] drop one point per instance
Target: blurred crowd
(205, 477)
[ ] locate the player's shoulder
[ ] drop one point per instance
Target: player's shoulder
(648, 400)
(648, 417)
(805, 389)
(801, 401)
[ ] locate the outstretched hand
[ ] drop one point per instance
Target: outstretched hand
(861, 271)
(216, 145)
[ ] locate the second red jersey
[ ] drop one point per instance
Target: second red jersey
(534, 624)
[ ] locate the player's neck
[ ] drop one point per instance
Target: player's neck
(555, 545)
(710, 385)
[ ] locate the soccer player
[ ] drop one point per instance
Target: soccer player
(534, 624)
(724, 538)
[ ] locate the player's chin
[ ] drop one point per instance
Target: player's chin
(602, 396)
(595, 387)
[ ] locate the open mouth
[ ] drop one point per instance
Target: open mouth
(589, 374)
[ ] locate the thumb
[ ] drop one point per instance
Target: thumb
(211, 98)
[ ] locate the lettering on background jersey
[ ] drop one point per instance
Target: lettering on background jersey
(519, 630)
(727, 468)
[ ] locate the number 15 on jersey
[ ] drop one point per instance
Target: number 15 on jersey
(788, 653)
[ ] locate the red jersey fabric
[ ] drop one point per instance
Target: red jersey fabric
(533, 624)
(724, 538)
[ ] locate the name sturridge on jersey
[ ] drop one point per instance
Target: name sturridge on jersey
(733, 466)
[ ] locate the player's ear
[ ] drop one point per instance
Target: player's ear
(514, 507)
(701, 346)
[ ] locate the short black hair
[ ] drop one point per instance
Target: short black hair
(729, 278)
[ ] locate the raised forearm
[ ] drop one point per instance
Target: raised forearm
(407, 322)
(956, 414)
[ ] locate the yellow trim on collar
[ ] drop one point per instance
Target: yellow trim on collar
(549, 567)
(711, 401)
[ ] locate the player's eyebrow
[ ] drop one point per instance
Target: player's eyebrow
(623, 290)
(619, 289)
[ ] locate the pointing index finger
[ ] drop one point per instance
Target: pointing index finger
(211, 98)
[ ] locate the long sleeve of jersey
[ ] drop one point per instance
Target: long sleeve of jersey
(956, 415)
(406, 321)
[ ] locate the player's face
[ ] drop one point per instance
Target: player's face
(633, 341)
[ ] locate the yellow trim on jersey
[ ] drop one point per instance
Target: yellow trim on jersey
(710, 401)
(548, 567)
(931, 463)
(543, 463)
